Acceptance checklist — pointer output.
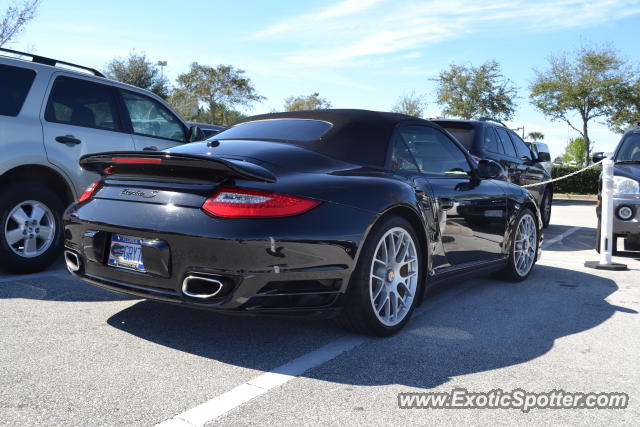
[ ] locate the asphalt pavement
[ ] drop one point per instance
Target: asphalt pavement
(73, 354)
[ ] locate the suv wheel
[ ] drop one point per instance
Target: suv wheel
(30, 227)
(545, 208)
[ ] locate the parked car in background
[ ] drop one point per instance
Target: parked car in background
(490, 139)
(346, 213)
(541, 150)
(51, 113)
(626, 196)
(207, 129)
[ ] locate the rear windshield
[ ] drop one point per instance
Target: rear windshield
(15, 83)
(279, 130)
(463, 132)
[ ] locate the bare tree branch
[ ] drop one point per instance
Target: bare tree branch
(15, 18)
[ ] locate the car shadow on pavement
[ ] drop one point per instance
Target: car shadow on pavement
(56, 288)
(460, 331)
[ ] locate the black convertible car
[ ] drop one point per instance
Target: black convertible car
(337, 213)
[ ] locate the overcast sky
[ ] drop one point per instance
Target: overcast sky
(356, 53)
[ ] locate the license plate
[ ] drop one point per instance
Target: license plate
(126, 252)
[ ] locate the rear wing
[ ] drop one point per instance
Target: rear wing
(165, 164)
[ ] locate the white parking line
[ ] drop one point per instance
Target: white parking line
(220, 405)
(556, 239)
(15, 278)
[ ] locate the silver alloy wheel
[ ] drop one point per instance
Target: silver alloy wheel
(525, 245)
(30, 228)
(393, 278)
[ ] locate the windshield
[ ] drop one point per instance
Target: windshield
(630, 149)
(279, 130)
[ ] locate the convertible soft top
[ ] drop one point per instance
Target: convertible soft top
(356, 136)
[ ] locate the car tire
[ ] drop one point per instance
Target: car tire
(614, 241)
(379, 283)
(30, 227)
(522, 244)
(545, 208)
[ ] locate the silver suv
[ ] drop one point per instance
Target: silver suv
(51, 113)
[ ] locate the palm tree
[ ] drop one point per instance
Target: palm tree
(535, 136)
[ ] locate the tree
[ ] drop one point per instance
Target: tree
(627, 109)
(535, 136)
(302, 102)
(576, 151)
(410, 104)
(15, 18)
(470, 92)
(219, 91)
(586, 84)
(138, 71)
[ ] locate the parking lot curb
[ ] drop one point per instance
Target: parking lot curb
(580, 197)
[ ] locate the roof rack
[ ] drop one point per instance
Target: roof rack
(490, 119)
(52, 62)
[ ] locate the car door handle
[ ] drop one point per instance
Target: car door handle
(446, 203)
(68, 139)
(150, 148)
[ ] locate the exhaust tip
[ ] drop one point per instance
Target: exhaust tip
(73, 261)
(201, 287)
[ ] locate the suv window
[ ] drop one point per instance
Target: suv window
(82, 103)
(491, 142)
(150, 118)
(521, 148)
(15, 83)
(463, 132)
(506, 142)
(434, 153)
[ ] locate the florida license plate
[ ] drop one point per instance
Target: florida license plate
(126, 252)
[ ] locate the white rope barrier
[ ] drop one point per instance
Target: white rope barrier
(563, 177)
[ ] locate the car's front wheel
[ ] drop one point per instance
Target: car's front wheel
(524, 247)
(386, 284)
(31, 227)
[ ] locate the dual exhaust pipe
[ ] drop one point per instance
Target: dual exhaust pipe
(201, 287)
(73, 261)
(194, 285)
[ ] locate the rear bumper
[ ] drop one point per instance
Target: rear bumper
(299, 265)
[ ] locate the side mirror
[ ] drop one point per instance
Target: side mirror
(195, 134)
(597, 157)
(544, 156)
(488, 169)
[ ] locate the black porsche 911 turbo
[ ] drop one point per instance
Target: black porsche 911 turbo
(350, 214)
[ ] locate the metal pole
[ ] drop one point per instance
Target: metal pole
(606, 215)
(606, 221)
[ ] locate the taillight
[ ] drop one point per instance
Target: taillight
(88, 192)
(240, 203)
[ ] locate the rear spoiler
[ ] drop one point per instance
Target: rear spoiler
(165, 163)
